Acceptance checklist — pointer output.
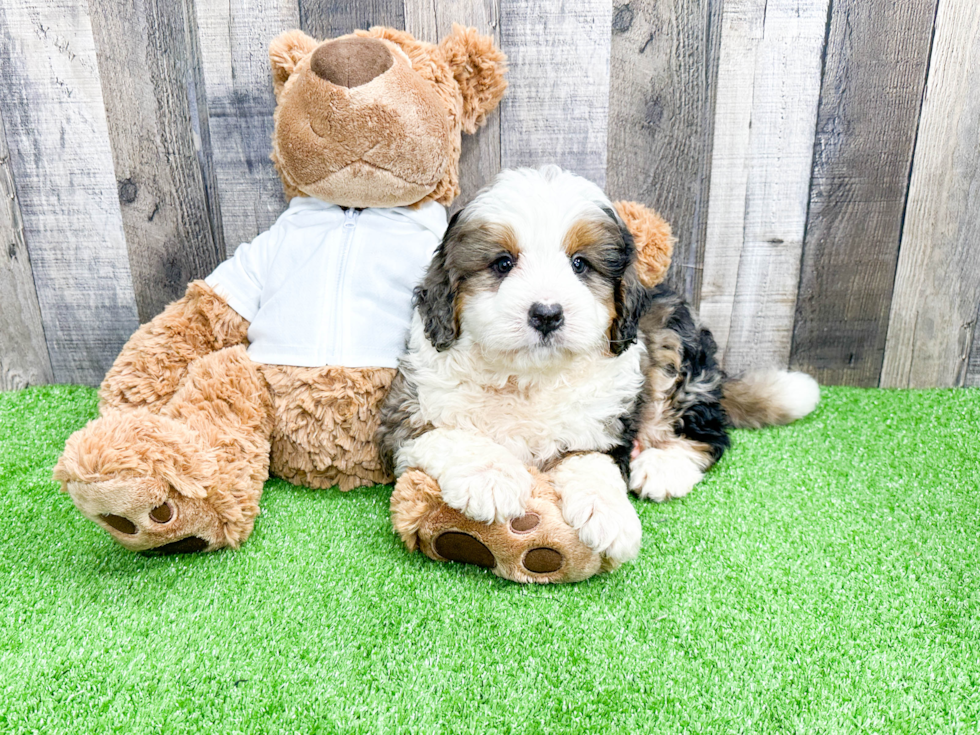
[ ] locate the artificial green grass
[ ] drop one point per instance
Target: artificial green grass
(824, 578)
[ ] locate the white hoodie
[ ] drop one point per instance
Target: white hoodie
(328, 286)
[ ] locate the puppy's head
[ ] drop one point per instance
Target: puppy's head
(537, 268)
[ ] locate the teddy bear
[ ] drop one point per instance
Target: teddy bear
(277, 361)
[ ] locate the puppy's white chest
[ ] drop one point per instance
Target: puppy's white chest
(540, 418)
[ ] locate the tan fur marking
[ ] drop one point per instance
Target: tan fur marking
(585, 234)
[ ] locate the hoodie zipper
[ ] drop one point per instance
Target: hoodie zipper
(350, 225)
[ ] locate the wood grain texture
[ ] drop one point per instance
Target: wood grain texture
(663, 74)
(234, 40)
(52, 107)
(432, 20)
(937, 286)
(765, 113)
(324, 19)
(146, 62)
(557, 106)
(23, 354)
(874, 76)
(972, 377)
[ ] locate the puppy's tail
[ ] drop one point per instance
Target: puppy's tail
(767, 397)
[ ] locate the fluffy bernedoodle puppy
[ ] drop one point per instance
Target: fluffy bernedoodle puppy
(534, 345)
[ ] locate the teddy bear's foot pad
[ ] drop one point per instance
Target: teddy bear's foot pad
(466, 549)
(161, 514)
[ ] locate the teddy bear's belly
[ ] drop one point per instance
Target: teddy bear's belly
(325, 420)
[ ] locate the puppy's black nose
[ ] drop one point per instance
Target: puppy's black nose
(546, 318)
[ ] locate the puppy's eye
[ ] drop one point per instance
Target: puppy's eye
(579, 264)
(503, 265)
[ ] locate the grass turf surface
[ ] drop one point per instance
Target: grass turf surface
(823, 578)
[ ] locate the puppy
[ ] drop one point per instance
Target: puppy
(534, 343)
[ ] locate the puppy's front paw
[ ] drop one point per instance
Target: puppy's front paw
(659, 474)
(496, 491)
(605, 520)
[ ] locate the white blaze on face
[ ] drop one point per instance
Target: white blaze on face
(540, 207)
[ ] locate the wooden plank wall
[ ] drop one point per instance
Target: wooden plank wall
(818, 160)
(934, 307)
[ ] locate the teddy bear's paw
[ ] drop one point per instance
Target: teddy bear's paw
(143, 479)
(660, 474)
(143, 514)
(537, 546)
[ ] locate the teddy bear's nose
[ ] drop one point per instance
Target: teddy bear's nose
(351, 62)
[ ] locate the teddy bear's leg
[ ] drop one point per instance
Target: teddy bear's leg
(186, 479)
(537, 547)
(326, 419)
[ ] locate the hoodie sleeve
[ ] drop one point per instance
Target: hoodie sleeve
(241, 279)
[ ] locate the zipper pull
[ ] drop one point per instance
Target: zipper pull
(350, 217)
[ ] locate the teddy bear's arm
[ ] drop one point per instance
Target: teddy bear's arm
(155, 359)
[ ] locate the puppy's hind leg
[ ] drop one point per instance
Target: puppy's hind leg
(680, 437)
(669, 471)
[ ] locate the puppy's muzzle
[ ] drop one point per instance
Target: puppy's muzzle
(545, 318)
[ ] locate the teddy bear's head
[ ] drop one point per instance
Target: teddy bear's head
(374, 119)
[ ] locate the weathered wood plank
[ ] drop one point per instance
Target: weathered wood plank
(557, 106)
(661, 112)
(768, 87)
(937, 286)
(432, 20)
(234, 41)
(874, 76)
(23, 354)
(145, 60)
(51, 103)
(324, 19)
(972, 379)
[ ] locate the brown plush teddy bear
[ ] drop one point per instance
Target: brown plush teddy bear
(279, 359)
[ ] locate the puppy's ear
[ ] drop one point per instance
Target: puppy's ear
(285, 52)
(629, 293)
(435, 297)
(653, 240)
(478, 67)
(629, 306)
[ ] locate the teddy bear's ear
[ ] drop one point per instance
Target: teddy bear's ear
(285, 52)
(478, 67)
(653, 240)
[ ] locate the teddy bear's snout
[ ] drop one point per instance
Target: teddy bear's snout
(351, 62)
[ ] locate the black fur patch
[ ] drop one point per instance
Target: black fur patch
(631, 426)
(698, 394)
(435, 297)
(629, 293)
